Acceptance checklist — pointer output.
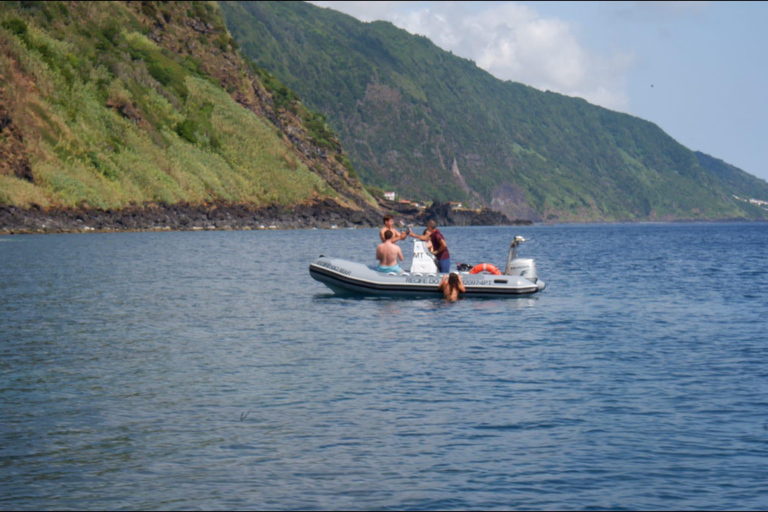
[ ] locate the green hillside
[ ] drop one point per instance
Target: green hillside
(109, 104)
(430, 125)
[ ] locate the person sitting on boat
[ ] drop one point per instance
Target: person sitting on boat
(439, 246)
(389, 225)
(452, 285)
(389, 255)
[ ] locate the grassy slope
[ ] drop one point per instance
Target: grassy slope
(406, 110)
(102, 114)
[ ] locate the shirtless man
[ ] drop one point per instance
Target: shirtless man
(389, 225)
(389, 255)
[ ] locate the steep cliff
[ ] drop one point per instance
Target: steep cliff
(431, 125)
(105, 105)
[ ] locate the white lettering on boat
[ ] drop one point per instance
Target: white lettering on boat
(422, 280)
(434, 280)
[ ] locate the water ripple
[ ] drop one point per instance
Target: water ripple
(208, 371)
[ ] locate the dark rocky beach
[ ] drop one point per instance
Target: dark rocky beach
(323, 214)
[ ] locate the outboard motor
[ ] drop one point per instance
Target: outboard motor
(423, 261)
(523, 267)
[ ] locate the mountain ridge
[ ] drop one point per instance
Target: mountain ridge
(153, 105)
(434, 126)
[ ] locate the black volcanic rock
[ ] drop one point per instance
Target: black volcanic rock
(444, 215)
(324, 213)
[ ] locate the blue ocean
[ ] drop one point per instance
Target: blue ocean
(208, 371)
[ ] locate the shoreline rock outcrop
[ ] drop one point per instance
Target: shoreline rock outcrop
(321, 214)
(445, 215)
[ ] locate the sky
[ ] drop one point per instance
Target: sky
(698, 70)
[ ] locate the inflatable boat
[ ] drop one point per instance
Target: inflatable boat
(482, 280)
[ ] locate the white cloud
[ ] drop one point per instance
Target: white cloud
(512, 42)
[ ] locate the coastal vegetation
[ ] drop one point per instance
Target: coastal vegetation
(430, 125)
(105, 105)
(178, 106)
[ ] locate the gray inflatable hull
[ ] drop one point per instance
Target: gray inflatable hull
(348, 277)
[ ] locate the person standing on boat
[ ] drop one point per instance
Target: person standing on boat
(389, 225)
(439, 246)
(389, 255)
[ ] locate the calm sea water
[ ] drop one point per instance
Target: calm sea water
(207, 370)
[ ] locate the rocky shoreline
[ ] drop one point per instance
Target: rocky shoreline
(324, 214)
